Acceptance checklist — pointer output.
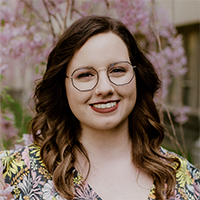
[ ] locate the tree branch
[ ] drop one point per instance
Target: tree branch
(53, 4)
(107, 4)
(75, 10)
(55, 17)
(65, 18)
(50, 21)
(174, 131)
(31, 8)
(160, 50)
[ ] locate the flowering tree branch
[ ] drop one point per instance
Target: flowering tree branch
(33, 32)
(32, 9)
(65, 17)
(107, 4)
(49, 19)
(54, 5)
(152, 2)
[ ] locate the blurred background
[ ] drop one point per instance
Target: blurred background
(185, 15)
(167, 29)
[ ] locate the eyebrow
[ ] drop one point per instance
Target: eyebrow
(106, 67)
(90, 66)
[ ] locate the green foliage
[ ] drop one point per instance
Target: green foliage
(14, 121)
(2, 22)
(22, 118)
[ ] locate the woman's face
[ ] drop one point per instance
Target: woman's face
(107, 106)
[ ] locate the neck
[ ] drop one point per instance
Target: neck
(105, 149)
(106, 144)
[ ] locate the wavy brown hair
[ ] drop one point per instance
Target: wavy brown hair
(57, 130)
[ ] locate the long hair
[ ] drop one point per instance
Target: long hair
(57, 130)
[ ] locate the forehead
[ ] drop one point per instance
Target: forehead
(100, 50)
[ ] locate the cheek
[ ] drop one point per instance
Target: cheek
(130, 94)
(71, 97)
(130, 91)
(77, 100)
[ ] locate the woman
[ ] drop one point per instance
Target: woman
(97, 132)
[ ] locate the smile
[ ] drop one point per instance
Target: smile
(105, 105)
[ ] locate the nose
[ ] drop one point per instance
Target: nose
(104, 86)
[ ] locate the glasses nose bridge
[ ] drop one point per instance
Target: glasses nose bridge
(103, 69)
(104, 85)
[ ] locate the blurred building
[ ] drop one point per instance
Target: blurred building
(185, 14)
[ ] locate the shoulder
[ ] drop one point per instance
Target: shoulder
(19, 158)
(187, 177)
(24, 169)
(184, 163)
(17, 163)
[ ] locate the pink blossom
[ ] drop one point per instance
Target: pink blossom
(180, 114)
(18, 146)
(26, 38)
(28, 139)
(2, 67)
(97, 1)
(7, 126)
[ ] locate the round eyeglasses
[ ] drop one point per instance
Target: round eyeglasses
(86, 78)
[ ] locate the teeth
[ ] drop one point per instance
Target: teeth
(105, 105)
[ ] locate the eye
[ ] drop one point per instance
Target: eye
(118, 70)
(84, 75)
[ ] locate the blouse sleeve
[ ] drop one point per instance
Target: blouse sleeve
(187, 178)
(194, 173)
(5, 188)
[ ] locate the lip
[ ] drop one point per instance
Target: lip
(104, 110)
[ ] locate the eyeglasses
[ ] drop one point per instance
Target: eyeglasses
(86, 78)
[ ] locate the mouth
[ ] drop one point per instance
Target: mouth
(105, 107)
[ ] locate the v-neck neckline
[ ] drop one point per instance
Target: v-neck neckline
(84, 190)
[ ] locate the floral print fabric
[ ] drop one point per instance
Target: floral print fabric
(28, 178)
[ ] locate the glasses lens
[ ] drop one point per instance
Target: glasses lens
(84, 78)
(120, 73)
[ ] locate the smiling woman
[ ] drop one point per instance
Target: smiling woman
(91, 107)
(97, 133)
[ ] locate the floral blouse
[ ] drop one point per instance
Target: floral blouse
(26, 177)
